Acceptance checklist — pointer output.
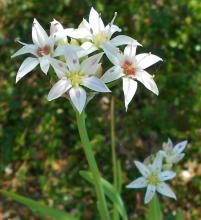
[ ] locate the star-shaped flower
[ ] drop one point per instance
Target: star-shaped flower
(42, 49)
(94, 33)
(75, 77)
(154, 179)
(131, 68)
(173, 154)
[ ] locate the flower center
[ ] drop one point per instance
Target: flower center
(153, 179)
(100, 38)
(75, 78)
(42, 51)
(128, 68)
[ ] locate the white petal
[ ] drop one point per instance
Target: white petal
(180, 147)
(62, 34)
(95, 21)
(149, 193)
(95, 84)
(90, 65)
(130, 50)
(145, 60)
(112, 29)
(138, 183)
(129, 88)
(112, 53)
(27, 66)
(59, 67)
(29, 48)
(124, 40)
(78, 98)
(176, 158)
(39, 35)
(44, 64)
(112, 74)
(167, 175)
(61, 50)
(72, 58)
(165, 190)
(142, 168)
(147, 80)
(81, 33)
(88, 48)
(55, 26)
(157, 163)
(59, 89)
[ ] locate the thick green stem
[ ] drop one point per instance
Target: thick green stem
(102, 206)
(114, 156)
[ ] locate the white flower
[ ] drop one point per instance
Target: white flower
(75, 76)
(154, 179)
(173, 154)
(42, 48)
(95, 33)
(131, 68)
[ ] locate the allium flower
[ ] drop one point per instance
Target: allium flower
(75, 76)
(42, 48)
(173, 154)
(131, 68)
(154, 179)
(95, 33)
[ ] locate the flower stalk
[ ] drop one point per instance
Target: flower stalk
(102, 206)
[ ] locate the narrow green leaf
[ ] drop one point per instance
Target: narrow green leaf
(154, 210)
(119, 174)
(109, 191)
(37, 207)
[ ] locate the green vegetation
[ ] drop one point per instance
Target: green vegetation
(40, 149)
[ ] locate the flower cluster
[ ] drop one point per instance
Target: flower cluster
(157, 169)
(78, 65)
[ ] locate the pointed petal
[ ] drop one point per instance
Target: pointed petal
(165, 190)
(112, 29)
(62, 34)
(138, 183)
(72, 58)
(27, 66)
(44, 64)
(124, 40)
(81, 33)
(112, 53)
(95, 21)
(157, 164)
(55, 26)
(78, 98)
(39, 35)
(90, 65)
(149, 193)
(146, 60)
(129, 88)
(95, 84)
(130, 51)
(59, 67)
(59, 89)
(29, 48)
(176, 158)
(167, 175)
(88, 48)
(61, 50)
(112, 74)
(142, 168)
(147, 80)
(180, 147)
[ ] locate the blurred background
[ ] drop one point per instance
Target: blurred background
(41, 153)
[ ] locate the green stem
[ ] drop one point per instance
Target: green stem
(114, 156)
(102, 206)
